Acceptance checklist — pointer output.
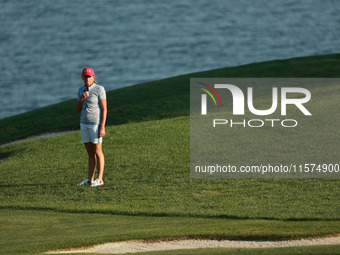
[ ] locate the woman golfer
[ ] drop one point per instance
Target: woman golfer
(92, 107)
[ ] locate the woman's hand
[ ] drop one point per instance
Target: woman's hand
(84, 96)
(103, 106)
(102, 132)
(79, 104)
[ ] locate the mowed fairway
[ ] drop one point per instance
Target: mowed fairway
(148, 193)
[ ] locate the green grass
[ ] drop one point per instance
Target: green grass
(39, 231)
(148, 193)
(147, 174)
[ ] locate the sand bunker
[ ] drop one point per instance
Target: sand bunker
(143, 246)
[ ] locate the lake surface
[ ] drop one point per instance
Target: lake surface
(45, 44)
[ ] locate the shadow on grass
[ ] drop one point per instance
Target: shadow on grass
(160, 214)
(8, 154)
(3, 157)
(32, 185)
(60, 184)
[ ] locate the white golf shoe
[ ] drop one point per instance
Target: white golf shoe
(97, 183)
(85, 182)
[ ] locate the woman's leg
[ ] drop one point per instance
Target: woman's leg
(91, 151)
(100, 160)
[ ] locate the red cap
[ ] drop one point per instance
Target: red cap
(87, 71)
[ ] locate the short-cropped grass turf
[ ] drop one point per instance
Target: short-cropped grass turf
(148, 193)
(146, 173)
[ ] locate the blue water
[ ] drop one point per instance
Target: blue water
(45, 44)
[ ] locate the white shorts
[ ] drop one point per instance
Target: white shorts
(90, 133)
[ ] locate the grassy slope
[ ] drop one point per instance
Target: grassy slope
(38, 231)
(159, 99)
(147, 172)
